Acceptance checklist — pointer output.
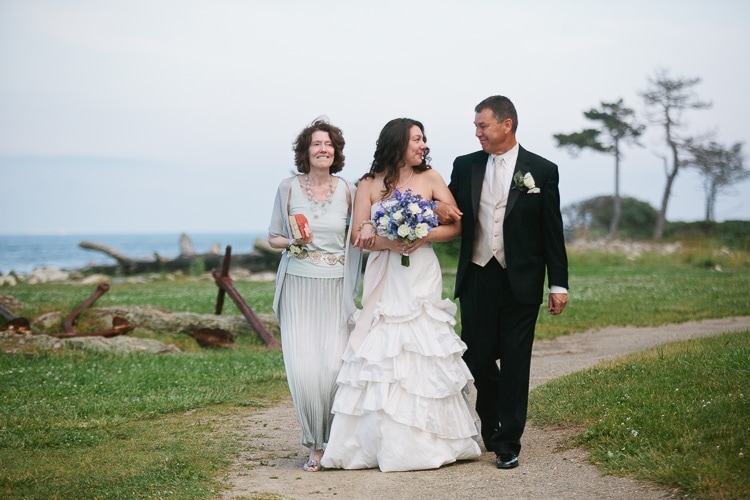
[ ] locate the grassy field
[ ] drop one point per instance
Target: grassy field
(676, 415)
(86, 425)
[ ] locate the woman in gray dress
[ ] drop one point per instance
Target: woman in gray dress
(317, 279)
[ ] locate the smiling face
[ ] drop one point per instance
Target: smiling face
(495, 137)
(321, 150)
(415, 148)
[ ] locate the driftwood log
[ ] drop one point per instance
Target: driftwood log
(262, 258)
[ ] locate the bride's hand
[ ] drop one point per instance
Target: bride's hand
(413, 245)
(408, 247)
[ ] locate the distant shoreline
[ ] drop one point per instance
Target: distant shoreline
(24, 253)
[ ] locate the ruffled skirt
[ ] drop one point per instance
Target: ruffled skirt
(402, 392)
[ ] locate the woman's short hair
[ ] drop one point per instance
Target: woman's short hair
(301, 146)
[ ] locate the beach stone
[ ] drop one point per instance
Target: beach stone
(46, 275)
(11, 342)
(121, 345)
(11, 303)
(9, 280)
(159, 320)
(95, 279)
(50, 322)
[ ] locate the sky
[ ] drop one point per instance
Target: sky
(170, 116)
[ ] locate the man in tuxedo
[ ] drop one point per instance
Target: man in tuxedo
(509, 205)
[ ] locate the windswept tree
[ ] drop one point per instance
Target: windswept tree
(618, 127)
(720, 167)
(669, 98)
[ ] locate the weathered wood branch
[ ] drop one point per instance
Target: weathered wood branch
(262, 258)
(122, 259)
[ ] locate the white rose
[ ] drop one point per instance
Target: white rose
(528, 181)
(421, 230)
(398, 215)
(534, 190)
(414, 208)
(403, 230)
(427, 212)
(383, 222)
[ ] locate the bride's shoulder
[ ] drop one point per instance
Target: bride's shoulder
(369, 182)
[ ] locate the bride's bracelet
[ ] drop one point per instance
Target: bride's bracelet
(368, 221)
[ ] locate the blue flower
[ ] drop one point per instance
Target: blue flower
(407, 216)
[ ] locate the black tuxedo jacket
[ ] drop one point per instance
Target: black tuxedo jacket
(532, 229)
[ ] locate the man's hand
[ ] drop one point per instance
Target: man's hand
(557, 302)
(447, 213)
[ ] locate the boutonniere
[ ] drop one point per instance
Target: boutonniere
(525, 182)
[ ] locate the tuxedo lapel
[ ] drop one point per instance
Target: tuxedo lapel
(521, 164)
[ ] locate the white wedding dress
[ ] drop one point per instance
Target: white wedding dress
(401, 402)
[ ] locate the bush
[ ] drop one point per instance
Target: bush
(732, 233)
(591, 218)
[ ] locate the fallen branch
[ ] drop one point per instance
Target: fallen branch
(262, 258)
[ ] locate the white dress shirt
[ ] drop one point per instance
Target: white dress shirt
(488, 240)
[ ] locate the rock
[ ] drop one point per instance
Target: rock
(95, 279)
(50, 322)
(9, 280)
(15, 343)
(11, 303)
(158, 320)
(121, 344)
(46, 275)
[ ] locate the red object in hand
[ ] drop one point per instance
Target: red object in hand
(300, 226)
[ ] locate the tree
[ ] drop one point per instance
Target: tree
(720, 167)
(620, 126)
(670, 97)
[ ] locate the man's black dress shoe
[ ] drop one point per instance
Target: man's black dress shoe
(506, 461)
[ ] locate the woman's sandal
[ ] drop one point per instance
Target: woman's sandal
(312, 465)
(313, 462)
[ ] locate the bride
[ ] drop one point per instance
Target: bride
(401, 399)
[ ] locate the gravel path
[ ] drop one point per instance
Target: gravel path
(271, 465)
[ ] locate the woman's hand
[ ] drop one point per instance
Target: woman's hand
(408, 247)
(303, 241)
(366, 237)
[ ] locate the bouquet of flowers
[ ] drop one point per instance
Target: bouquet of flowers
(407, 216)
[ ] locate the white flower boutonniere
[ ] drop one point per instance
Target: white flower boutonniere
(525, 182)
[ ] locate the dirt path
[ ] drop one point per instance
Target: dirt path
(271, 465)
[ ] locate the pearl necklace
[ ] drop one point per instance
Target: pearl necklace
(314, 204)
(407, 180)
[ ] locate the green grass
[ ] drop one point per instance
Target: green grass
(677, 415)
(87, 425)
(179, 295)
(650, 291)
(105, 426)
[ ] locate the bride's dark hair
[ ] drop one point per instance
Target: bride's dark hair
(391, 149)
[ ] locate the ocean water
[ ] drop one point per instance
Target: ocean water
(24, 253)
